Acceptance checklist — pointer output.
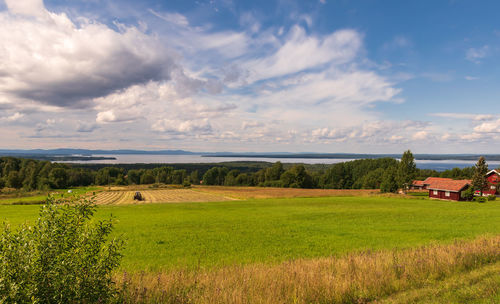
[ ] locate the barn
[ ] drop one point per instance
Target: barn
(448, 189)
(493, 178)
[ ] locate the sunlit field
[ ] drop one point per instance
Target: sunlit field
(213, 234)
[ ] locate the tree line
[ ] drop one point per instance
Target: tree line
(387, 174)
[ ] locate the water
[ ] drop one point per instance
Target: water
(438, 165)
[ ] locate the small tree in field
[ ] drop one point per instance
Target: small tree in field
(63, 258)
(479, 181)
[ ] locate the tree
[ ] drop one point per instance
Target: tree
(406, 170)
(274, 172)
(58, 178)
(66, 257)
(479, 181)
(389, 183)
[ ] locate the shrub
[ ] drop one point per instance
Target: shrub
(63, 258)
(491, 197)
(480, 199)
(468, 194)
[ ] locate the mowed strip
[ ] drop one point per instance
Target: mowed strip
(157, 196)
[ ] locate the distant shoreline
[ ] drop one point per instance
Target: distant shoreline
(465, 157)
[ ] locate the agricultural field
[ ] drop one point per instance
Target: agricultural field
(195, 248)
(213, 234)
(268, 192)
(38, 197)
(122, 197)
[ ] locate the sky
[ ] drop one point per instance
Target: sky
(251, 76)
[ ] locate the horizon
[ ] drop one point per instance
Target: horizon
(251, 76)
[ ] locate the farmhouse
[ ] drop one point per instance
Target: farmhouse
(418, 184)
(493, 178)
(447, 188)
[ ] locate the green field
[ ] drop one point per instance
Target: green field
(39, 197)
(192, 235)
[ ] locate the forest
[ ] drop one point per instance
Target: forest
(382, 173)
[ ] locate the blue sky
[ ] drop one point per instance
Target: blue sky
(315, 76)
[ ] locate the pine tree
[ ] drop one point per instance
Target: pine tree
(479, 181)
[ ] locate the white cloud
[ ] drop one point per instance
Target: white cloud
(183, 126)
(14, 117)
(301, 52)
(468, 116)
(476, 54)
(488, 127)
(56, 61)
(420, 135)
(471, 78)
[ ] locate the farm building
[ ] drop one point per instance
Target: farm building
(418, 184)
(493, 178)
(447, 188)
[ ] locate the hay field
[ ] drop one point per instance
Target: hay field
(123, 197)
(268, 192)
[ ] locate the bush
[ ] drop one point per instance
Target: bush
(468, 194)
(63, 258)
(491, 197)
(480, 199)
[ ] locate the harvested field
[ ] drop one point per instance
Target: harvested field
(267, 192)
(157, 196)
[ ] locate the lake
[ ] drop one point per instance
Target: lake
(439, 165)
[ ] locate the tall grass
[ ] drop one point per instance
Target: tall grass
(354, 278)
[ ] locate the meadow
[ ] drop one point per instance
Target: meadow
(164, 237)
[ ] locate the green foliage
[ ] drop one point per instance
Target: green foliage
(407, 170)
(479, 181)
(468, 194)
(480, 199)
(491, 197)
(389, 183)
(63, 258)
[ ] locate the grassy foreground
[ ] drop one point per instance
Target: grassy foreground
(409, 276)
(211, 235)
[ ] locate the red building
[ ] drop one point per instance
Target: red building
(418, 184)
(493, 178)
(447, 188)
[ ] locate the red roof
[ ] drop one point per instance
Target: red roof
(448, 184)
(430, 180)
(418, 183)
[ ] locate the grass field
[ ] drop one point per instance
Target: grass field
(214, 234)
(33, 198)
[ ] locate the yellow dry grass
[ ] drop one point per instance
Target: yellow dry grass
(268, 192)
(121, 197)
(355, 278)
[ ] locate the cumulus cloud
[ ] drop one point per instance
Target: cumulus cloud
(373, 132)
(54, 60)
(488, 127)
(183, 126)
